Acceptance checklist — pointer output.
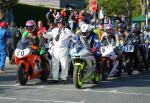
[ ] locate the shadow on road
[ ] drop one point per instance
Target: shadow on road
(136, 80)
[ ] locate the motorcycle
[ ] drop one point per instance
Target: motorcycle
(147, 55)
(84, 64)
(108, 56)
(29, 63)
(128, 58)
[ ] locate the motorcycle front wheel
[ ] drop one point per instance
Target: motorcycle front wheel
(78, 77)
(22, 75)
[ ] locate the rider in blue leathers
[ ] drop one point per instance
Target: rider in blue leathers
(4, 34)
(91, 41)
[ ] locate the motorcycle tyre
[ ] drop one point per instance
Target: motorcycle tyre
(77, 80)
(129, 67)
(45, 72)
(21, 75)
(96, 79)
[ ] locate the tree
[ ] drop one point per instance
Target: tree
(113, 7)
(120, 7)
(143, 6)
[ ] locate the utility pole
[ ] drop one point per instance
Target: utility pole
(146, 13)
(129, 18)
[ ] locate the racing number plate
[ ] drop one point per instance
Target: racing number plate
(21, 53)
(129, 48)
(106, 51)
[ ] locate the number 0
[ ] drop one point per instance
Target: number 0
(22, 53)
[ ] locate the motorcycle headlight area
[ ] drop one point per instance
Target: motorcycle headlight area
(22, 52)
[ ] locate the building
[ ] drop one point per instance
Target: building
(79, 4)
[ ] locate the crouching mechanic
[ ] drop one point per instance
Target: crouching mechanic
(35, 37)
(91, 40)
(60, 53)
(4, 34)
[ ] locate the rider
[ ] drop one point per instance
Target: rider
(90, 40)
(139, 53)
(34, 36)
(109, 39)
(147, 42)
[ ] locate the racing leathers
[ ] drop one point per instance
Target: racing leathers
(110, 40)
(92, 42)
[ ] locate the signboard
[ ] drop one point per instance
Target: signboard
(45, 3)
(54, 3)
(94, 5)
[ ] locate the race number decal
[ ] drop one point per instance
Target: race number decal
(106, 51)
(21, 53)
(129, 48)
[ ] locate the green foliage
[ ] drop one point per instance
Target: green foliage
(119, 7)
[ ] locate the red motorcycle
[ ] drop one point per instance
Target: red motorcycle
(29, 63)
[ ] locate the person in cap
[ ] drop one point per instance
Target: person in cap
(60, 50)
(4, 34)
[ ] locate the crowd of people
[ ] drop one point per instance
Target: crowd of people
(63, 27)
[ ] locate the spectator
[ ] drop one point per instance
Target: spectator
(72, 21)
(64, 13)
(55, 17)
(88, 17)
(80, 17)
(4, 34)
(41, 27)
(49, 15)
(12, 42)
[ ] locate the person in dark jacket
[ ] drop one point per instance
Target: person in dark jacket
(12, 42)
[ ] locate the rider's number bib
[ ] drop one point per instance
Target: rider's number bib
(129, 48)
(107, 50)
(21, 53)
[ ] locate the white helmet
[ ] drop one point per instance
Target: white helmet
(85, 28)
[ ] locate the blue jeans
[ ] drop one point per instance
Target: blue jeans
(3, 54)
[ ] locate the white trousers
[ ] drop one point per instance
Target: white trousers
(60, 58)
(115, 65)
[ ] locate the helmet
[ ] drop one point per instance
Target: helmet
(146, 27)
(108, 29)
(4, 24)
(31, 25)
(85, 29)
(135, 26)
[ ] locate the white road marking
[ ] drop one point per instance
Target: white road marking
(38, 100)
(90, 90)
(4, 85)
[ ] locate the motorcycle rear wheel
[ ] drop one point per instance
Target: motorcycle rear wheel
(78, 78)
(129, 66)
(96, 79)
(45, 73)
(22, 75)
